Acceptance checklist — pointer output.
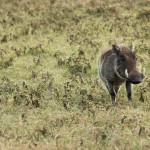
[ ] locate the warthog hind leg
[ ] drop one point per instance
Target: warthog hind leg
(116, 89)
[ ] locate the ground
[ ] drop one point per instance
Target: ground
(50, 93)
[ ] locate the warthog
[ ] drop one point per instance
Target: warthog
(117, 66)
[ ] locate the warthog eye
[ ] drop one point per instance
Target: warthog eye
(122, 58)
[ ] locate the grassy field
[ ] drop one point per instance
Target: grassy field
(50, 94)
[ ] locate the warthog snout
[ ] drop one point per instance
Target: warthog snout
(119, 65)
(136, 79)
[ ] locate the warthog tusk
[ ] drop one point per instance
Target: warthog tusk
(143, 70)
(117, 73)
(126, 73)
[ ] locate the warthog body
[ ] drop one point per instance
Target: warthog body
(117, 66)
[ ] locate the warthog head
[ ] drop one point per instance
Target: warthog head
(126, 65)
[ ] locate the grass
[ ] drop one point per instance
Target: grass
(50, 94)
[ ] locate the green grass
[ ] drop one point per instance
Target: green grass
(50, 94)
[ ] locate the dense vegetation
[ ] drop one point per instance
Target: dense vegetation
(50, 94)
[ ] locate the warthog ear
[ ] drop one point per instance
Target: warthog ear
(115, 49)
(132, 47)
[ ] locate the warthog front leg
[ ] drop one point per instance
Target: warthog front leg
(128, 89)
(111, 91)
